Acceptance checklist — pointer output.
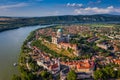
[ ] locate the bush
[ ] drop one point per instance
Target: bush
(16, 77)
(71, 75)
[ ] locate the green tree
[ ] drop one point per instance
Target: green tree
(98, 74)
(71, 75)
(16, 77)
(33, 65)
(109, 72)
(46, 75)
(105, 73)
(118, 74)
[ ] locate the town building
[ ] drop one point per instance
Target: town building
(93, 39)
(86, 66)
(63, 73)
(116, 61)
(104, 45)
(51, 64)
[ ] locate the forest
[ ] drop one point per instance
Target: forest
(7, 23)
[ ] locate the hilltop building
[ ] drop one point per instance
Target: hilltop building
(62, 41)
(60, 37)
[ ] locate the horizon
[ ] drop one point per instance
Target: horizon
(42, 8)
(55, 16)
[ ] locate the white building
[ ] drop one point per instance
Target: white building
(60, 37)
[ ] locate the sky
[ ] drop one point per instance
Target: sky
(38, 8)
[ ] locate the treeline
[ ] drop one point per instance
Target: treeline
(107, 73)
(68, 19)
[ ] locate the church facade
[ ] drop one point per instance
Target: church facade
(60, 37)
(62, 41)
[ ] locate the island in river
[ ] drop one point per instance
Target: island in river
(71, 52)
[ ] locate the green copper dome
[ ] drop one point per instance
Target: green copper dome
(59, 30)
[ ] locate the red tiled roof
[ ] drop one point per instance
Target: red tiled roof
(54, 66)
(117, 61)
(80, 64)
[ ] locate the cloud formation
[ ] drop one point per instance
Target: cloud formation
(13, 6)
(74, 5)
(96, 10)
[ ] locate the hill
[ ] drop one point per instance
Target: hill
(16, 22)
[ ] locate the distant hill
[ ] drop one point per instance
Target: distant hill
(15, 22)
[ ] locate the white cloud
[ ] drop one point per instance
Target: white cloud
(96, 10)
(13, 6)
(74, 5)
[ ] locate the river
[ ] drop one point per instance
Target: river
(10, 43)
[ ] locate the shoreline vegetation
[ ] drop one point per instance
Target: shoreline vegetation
(24, 58)
(8, 23)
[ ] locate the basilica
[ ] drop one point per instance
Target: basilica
(62, 41)
(60, 37)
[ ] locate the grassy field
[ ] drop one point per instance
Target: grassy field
(59, 51)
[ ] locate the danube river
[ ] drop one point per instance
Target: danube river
(10, 43)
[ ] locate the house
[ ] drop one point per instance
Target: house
(54, 68)
(84, 76)
(104, 45)
(86, 66)
(92, 39)
(63, 73)
(51, 64)
(116, 61)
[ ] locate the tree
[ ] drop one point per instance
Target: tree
(16, 77)
(105, 73)
(109, 72)
(71, 75)
(46, 75)
(118, 74)
(98, 74)
(33, 65)
(28, 76)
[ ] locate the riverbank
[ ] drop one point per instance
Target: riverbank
(23, 54)
(10, 44)
(6, 29)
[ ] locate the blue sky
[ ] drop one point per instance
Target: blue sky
(36, 8)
